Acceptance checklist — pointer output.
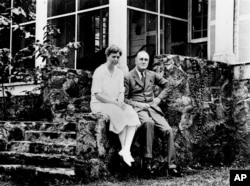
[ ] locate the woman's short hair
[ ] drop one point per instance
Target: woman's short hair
(113, 49)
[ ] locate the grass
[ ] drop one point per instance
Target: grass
(207, 177)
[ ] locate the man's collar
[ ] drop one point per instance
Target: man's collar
(139, 73)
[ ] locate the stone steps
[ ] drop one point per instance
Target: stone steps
(36, 147)
(62, 171)
(39, 125)
(42, 160)
(32, 135)
(34, 175)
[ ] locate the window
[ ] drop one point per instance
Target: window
(20, 34)
(144, 4)
(4, 31)
(91, 3)
(199, 18)
(59, 7)
(156, 30)
(19, 39)
(93, 34)
(176, 8)
(67, 29)
(142, 34)
(83, 21)
(173, 36)
(29, 6)
(198, 28)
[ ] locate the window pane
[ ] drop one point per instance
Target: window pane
(5, 37)
(6, 4)
(29, 7)
(22, 41)
(93, 35)
(4, 31)
(58, 7)
(199, 18)
(144, 4)
(173, 36)
(142, 32)
(67, 29)
(177, 8)
(84, 4)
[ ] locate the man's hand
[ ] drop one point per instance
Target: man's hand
(156, 101)
(143, 106)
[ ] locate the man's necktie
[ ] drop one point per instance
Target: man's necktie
(142, 77)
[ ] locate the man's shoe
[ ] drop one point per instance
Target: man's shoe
(147, 167)
(175, 173)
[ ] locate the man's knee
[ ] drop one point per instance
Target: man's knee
(168, 131)
(148, 125)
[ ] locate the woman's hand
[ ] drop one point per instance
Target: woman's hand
(122, 105)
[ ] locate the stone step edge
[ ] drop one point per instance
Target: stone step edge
(31, 125)
(44, 142)
(36, 155)
(62, 171)
(52, 132)
(31, 122)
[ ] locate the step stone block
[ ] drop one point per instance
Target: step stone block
(42, 160)
(49, 136)
(32, 175)
(65, 148)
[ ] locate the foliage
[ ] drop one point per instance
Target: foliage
(20, 67)
(10, 66)
(5, 62)
(54, 56)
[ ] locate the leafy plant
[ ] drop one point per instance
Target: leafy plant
(8, 16)
(21, 67)
(54, 56)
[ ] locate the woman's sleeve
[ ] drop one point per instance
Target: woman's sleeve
(97, 82)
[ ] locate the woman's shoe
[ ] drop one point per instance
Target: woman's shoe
(127, 158)
(128, 154)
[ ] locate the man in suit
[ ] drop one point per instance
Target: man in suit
(139, 92)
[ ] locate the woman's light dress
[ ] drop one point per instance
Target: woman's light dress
(112, 85)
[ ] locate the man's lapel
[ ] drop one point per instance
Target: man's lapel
(137, 78)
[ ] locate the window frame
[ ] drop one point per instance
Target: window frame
(159, 16)
(76, 14)
(42, 19)
(12, 26)
(190, 32)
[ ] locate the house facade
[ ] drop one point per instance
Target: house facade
(216, 30)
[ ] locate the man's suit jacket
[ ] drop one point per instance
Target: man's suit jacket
(137, 91)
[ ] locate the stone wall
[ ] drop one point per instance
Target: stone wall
(23, 108)
(241, 95)
(199, 108)
(66, 93)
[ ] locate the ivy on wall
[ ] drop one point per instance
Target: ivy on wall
(199, 108)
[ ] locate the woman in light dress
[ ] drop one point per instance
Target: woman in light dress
(107, 96)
